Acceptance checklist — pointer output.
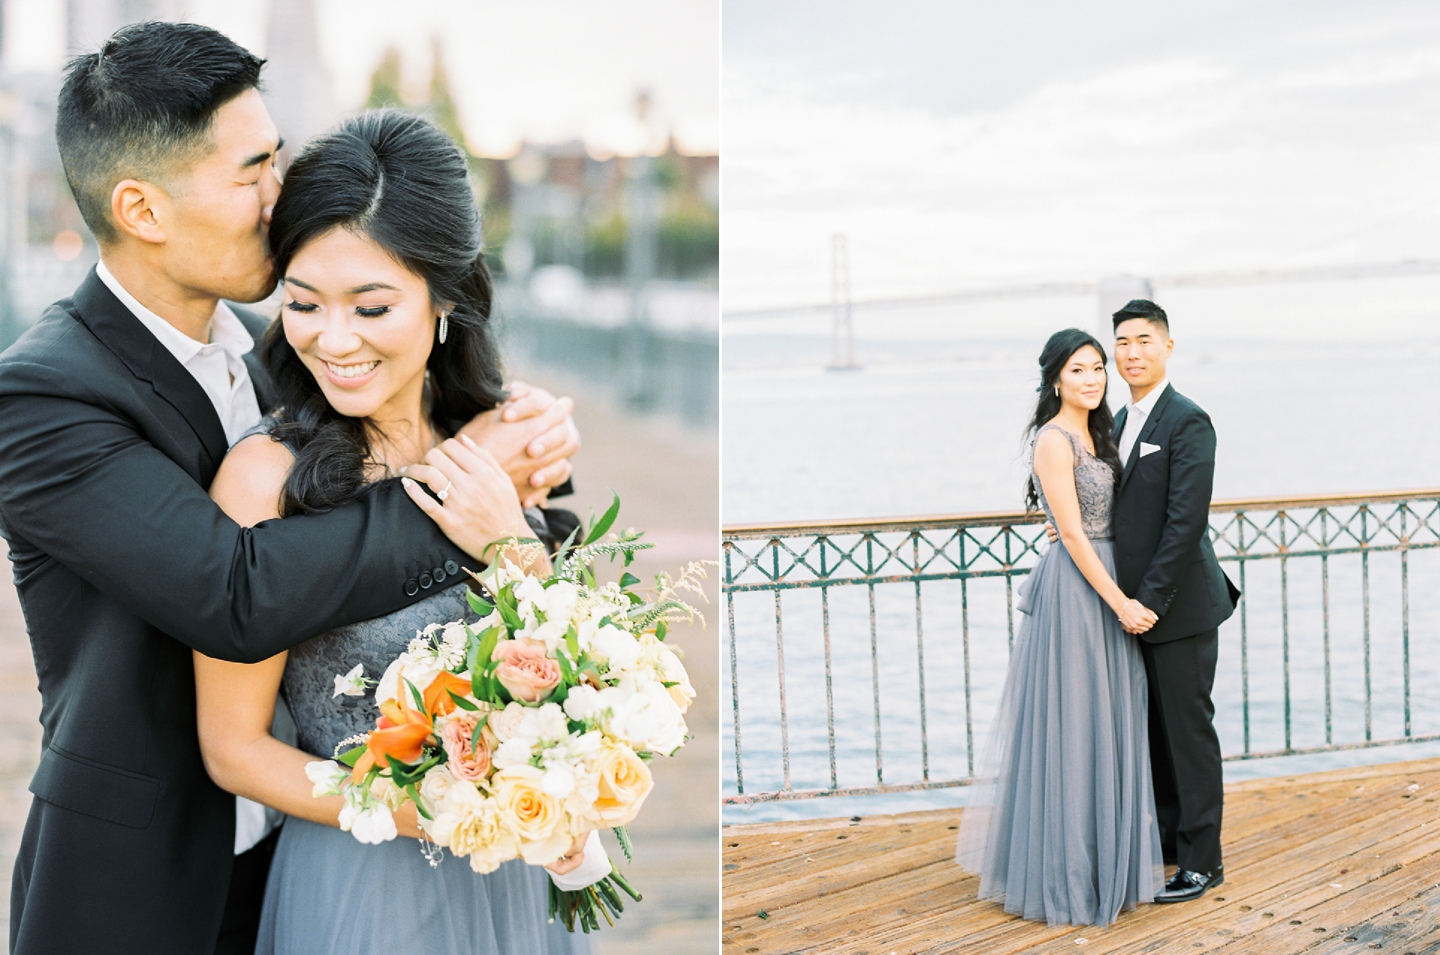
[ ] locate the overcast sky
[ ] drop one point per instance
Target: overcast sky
(539, 69)
(971, 144)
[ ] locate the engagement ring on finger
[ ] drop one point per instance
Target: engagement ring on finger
(445, 492)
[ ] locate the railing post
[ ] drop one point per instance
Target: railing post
(1285, 624)
(920, 660)
(780, 669)
(829, 686)
(734, 670)
(1325, 617)
(874, 654)
(1244, 630)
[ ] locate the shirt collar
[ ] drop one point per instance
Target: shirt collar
(227, 332)
(1147, 404)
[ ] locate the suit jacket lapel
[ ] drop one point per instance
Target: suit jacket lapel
(1147, 430)
(111, 322)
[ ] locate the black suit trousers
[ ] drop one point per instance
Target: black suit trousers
(1184, 748)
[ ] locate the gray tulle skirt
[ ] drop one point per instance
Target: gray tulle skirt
(1061, 823)
(328, 893)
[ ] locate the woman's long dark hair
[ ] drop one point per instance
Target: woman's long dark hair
(400, 181)
(1056, 354)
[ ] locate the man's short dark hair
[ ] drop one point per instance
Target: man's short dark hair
(1143, 308)
(142, 104)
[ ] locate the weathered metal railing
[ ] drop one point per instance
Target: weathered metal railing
(963, 550)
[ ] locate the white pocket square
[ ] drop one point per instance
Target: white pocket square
(1148, 448)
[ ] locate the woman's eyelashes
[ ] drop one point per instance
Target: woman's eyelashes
(373, 311)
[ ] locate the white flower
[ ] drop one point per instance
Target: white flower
(643, 715)
(435, 787)
(548, 722)
(512, 753)
(617, 648)
(558, 781)
(352, 683)
(453, 644)
(370, 822)
(505, 724)
(328, 776)
(559, 600)
(419, 669)
(582, 704)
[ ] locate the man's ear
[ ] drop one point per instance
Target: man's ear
(139, 209)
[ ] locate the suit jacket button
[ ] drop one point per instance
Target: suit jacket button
(452, 568)
(412, 587)
(426, 581)
(439, 574)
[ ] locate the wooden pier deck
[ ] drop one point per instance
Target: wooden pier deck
(1337, 862)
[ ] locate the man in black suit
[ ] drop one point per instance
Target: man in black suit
(1164, 560)
(116, 408)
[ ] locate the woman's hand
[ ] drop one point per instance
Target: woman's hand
(1135, 617)
(572, 859)
(478, 505)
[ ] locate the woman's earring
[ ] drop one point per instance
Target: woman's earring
(445, 327)
(1057, 387)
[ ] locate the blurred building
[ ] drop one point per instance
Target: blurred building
(45, 249)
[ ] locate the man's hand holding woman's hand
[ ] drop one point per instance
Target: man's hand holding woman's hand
(532, 437)
(1135, 617)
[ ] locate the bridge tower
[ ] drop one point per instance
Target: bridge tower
(842, 336)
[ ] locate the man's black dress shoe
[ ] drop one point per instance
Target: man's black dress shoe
(1185, 885)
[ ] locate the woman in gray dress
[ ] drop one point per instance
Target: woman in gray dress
(383, 345)
(1061, 822)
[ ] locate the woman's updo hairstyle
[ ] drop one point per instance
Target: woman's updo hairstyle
(400, 181)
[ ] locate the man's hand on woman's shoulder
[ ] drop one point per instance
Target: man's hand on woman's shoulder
(532, 437)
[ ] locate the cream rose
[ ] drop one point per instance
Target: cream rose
(536, 816)
(624, 782)
(526, 670)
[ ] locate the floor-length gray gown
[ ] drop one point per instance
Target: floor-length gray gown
(1061, 820)
(328, 893)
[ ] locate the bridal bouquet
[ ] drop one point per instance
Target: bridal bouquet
(517, 734)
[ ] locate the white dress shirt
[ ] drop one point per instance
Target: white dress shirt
(1136, 414)
(219, 368)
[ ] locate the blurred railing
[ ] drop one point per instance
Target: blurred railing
(649, 368)
(961, 550)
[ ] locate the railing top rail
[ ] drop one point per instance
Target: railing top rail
(992, 518)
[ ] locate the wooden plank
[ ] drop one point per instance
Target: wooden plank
(1348, 851)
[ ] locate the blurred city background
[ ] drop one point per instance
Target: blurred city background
(593, 137)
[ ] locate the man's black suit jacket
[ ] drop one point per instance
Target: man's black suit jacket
(123, 564)
(1163, 555)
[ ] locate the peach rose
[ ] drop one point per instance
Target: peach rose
(625, 781)
(526, 671)
(537, 817)
(466, 760)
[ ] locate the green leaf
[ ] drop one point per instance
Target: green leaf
(416, 694)
(351, 756)
(628, 579)
(622, 835)
(488, 641)
(598, 529)
(762, 915)
(478, 604)
(463, 703)
(509, 613)
(660, 631)
(475, 736)
(572, 643)
(415, 798)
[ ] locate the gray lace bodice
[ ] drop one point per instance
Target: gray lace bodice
(323, 719)
(1094, 485)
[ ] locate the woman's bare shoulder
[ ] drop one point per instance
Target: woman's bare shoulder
(249, 483)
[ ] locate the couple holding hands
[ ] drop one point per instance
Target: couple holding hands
(1103, 765)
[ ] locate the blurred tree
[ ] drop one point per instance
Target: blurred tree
(385, 82)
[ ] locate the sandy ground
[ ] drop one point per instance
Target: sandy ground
(668, 481)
